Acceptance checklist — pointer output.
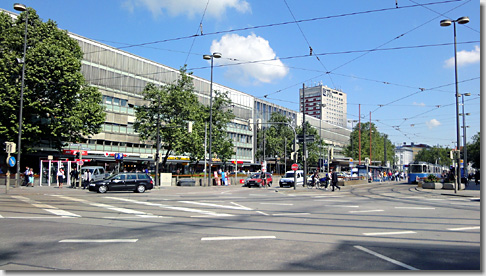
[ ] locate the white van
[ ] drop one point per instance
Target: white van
(288, 179)
(97, 172)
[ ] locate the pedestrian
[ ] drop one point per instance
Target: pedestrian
(476, 177)
(74, 177)
(86, 178)
(60, 177)
(31, 177)
(334, 180)
(26, 176)
(227, 178)
(223, 178)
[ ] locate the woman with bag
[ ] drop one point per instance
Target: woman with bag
(31, 177)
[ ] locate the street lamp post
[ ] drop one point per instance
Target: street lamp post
(445, 23)
(21, 7)
(211, 57)
(464, 134)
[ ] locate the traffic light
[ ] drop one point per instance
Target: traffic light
(250, 124)
(259, 123)
(10, 147)
(294, 156)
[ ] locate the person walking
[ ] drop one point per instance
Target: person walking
(86, 178)
(60, 177)
(31, 177)
(334, 180)
(74, 177)
(26, 176)
(477, 177)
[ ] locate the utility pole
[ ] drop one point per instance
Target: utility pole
(304, 155)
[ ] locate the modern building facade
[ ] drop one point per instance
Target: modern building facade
(324, 103)
(121, 77)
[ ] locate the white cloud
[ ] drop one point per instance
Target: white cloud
(239, 49)
(432, 123)
(465, 58)
(418, 104)
(216, 8)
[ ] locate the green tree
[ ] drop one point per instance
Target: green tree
(434, 155)
(276, 133)
(378, 143)
(175, 105)
(313, 148)
(58, 105)
(474, 151)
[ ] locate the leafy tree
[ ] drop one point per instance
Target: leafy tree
(174, 105)
(313, 148)
(433, 155)
(474, 151)
(58, 105)
(378, 143)
(275, 134)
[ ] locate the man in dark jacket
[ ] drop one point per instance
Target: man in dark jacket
(334, 180)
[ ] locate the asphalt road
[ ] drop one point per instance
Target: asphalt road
(375, 227)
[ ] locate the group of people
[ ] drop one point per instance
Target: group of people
(391, 176)
(225, 180)
(330, 178)
(29, 177)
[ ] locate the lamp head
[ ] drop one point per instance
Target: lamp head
(216, 55)
(208, 57)
(467, 94)
(445, 22)
(20, 7)
(463, 20)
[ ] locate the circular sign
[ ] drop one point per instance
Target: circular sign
(11, 161)
(295, 167)
(80, 162)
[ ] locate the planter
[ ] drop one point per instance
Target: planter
(450, 186)
(432, 185)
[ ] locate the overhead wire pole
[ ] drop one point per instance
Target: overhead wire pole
(304, 153)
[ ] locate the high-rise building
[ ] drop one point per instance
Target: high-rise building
(324, 103)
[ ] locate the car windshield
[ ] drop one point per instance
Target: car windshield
(289, 174)
(257, 175)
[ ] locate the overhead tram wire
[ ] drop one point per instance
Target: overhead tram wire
(308, 44)
(279, 24)
(200, 28)
(397, 37)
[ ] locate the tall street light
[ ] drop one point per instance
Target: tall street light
(211, 57)
(22, 8)
(464, 134)
(446, 23)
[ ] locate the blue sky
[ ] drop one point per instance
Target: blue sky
(389, 56)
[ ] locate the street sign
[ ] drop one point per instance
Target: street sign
(80, 163)
(118, 156)
(264, 166)
(11, 161)
(295, 167)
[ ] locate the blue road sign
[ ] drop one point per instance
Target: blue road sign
(11, 161)
(118, 156)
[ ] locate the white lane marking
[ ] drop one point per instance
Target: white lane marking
(271, 203)
(464, 228)
(416, 208)
(343, 206)
(385, 258)
(99, 241)
(260, 212)
(389, 233)
(366, 211)
(47, 208)
(435, 199)
(217, 205)
(40, 217)
(234, 203)
(106, 206)
(326, 196)
(291, 214)
(1, 216)
(237, 238)
(209, 213)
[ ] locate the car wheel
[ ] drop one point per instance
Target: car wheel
(140, 189)
(102, 189)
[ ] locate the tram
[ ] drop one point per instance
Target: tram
(419, 169)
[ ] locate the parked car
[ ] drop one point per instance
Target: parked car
(257, 180)
(288, 179)
(137, 182)
(97, 172)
